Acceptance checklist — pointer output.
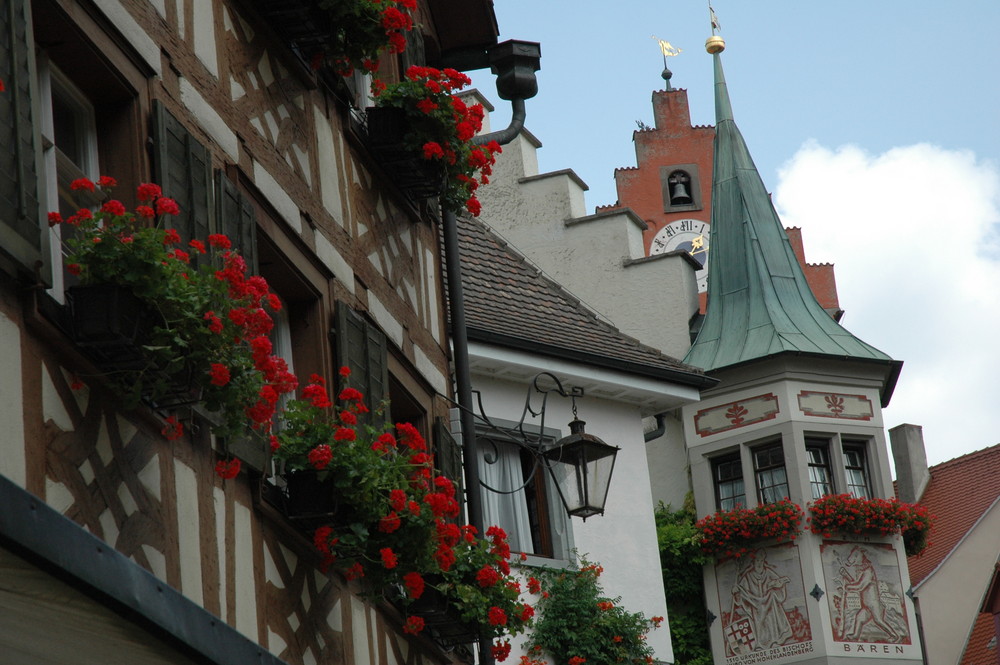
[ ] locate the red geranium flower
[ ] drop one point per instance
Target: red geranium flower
(389, 559)
(227, 470)
(413, 625)
(414, 584)
(219, 374)
(82, 183)
(497, 617)
(320, 456)
(147, 191)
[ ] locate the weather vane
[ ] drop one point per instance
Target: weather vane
(668, 50)
(715, 43)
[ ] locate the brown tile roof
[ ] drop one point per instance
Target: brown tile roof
(959, 492)
(981, 649)
(509, 301)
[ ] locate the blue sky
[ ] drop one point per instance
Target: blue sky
(875, 125)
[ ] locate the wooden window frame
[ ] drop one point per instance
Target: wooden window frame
(718, 463)
(763, 473)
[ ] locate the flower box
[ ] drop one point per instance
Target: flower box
(113, 327)
(308, 501)
(417, 177)
(441, 618)
(735, 533)
(111, 324)
(853, 516)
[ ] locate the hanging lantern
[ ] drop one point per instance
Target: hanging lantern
(581, 465)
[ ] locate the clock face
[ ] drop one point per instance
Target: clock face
(689, 235)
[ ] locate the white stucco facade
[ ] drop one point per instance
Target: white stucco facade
(597, 257)
(623, 541)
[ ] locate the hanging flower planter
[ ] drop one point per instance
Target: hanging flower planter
(170, 324)
(417, 177)
(441, 617)
(308, 500)
(737, 532)
(417, 123)
(111, 324)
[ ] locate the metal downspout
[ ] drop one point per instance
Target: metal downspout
(460, 344)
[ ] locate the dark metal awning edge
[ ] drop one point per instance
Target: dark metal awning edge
(42, 535)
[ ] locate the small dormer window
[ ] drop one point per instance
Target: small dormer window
(681, 189)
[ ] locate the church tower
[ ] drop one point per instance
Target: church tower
(797, 414)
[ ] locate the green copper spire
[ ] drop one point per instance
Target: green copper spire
(759, 303)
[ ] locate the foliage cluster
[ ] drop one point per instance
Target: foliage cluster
(681, 559)
(362, 30)
(578, 624)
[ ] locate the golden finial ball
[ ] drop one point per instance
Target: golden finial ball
(715, 44)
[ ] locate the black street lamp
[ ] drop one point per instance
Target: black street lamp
(581, 465)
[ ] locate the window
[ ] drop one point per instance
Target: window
(23, 244)
(69, 151)
(361, 346)
(520, 497)
(769, 469)
(728, 474)
(818, 454)
(856, 467)
(681, 188)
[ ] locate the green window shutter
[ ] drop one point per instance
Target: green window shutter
(23, 237)
(362, 347)
(236, 218)
(183, 169)
(448, 456)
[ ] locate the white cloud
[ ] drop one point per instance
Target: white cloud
(914, 236)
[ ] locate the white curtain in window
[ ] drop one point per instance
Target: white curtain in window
(508, 511)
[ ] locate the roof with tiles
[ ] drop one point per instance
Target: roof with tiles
(981, 649)
(509, 301)
(959, 492)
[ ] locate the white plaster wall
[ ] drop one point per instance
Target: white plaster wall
(209, 119)
(624, 539)
(668, 464)
(277, 196)
(329, 170)
(144, 45)
(246, 589)
(12, 458)
(651, 301)
(189, 541)
(951, 596)
(204, 36)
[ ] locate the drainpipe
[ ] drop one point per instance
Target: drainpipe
(661, 427)
(459, 331)
(515, 64)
